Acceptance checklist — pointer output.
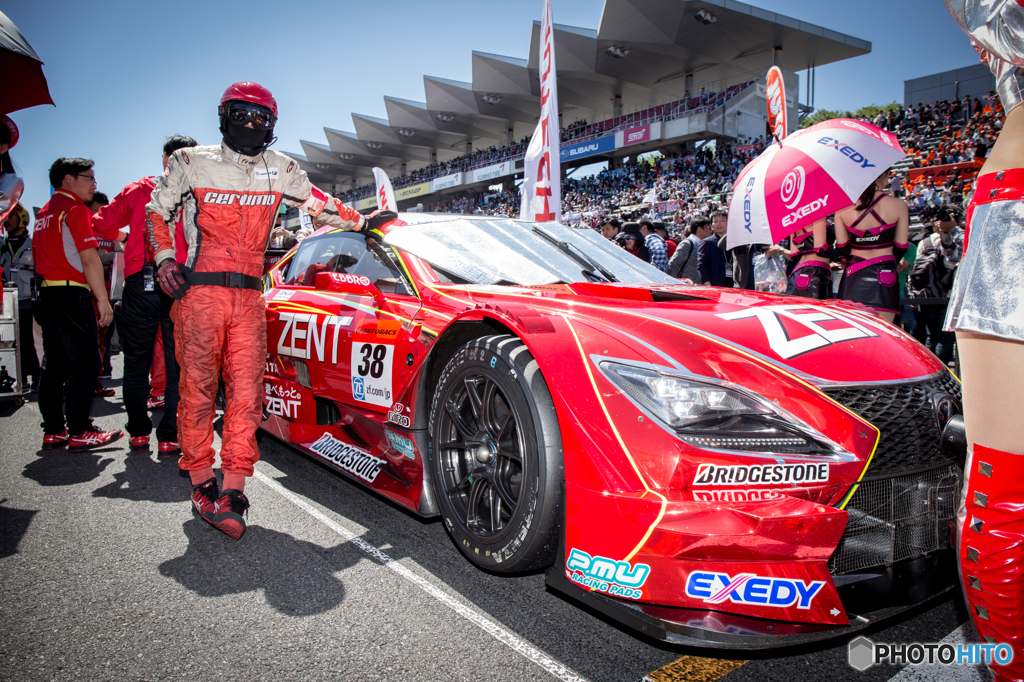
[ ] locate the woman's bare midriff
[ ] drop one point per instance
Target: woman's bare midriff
(1008, 151)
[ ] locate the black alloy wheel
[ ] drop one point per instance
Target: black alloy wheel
(495, 456)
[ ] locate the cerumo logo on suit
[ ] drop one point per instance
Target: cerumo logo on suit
(231, 198)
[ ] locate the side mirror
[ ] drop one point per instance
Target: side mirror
(345, 283)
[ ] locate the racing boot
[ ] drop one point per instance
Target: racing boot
(204, 495)
(991, 526)
(227, 513)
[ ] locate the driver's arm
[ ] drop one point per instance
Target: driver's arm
(300, 193)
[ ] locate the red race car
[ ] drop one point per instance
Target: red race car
(712, 467)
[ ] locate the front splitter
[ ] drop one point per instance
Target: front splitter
(893, 590)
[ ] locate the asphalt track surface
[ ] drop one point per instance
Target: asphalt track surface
(106, 575)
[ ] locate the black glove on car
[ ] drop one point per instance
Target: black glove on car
(378, 219)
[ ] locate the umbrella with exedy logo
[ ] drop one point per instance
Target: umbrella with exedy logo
(812, 174)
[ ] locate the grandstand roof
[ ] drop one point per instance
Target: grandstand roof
(641, 54)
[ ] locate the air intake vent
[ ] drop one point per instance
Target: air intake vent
(301, 373)
(906, 414)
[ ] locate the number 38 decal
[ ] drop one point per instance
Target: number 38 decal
(373, 354)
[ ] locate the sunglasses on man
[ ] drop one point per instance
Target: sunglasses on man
(242, 113)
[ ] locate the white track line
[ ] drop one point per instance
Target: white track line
(503, 635)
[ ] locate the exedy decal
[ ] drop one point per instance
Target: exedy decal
(748, 588)
(846, 150)
(617, 578)
(350, 458)
(761, 474)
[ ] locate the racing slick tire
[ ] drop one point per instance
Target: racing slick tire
(495, 456)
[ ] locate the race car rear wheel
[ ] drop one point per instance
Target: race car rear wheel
(495, 456)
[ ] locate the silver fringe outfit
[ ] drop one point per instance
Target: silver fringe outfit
(988, 295)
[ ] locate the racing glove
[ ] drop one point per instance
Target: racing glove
(378, 219)
(172, 281)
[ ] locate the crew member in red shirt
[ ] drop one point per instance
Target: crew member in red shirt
(145, 311)
(71, 275)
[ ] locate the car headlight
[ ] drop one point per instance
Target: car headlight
(716, 416)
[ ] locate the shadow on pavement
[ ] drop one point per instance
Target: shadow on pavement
(60, 467)
(13, 526)
(145, 478)
(104, 407)
(297, 577)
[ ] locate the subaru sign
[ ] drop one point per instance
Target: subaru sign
(588, 148)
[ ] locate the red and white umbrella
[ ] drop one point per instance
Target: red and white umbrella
(812, 174)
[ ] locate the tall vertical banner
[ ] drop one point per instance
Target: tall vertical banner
(385, 193)
(542, 176)
(776, 96)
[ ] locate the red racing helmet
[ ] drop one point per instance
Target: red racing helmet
(247, 91)
(14, 129)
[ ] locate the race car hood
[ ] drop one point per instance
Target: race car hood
(822, 342)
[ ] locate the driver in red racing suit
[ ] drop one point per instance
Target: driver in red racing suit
(229, 195)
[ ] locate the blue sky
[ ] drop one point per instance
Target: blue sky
(125, 75)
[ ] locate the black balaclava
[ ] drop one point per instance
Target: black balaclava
(247, 141)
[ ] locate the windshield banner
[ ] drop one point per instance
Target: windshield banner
(542, 187)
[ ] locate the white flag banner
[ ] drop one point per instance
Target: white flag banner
(385, 193)
(542, 189)
(651, 197)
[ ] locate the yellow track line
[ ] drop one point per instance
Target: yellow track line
(693, 669)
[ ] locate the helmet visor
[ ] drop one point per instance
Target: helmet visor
(242, 113)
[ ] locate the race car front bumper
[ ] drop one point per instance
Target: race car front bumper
(888, 592)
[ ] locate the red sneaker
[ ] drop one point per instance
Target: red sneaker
(204, 496)
(167, 448)
(55, 441)
(138, 443)
(155, 403)
(226, 515)
(92, 438)
(105, 392)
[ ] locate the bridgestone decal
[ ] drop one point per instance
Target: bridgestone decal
(762, 474)
(350, 458)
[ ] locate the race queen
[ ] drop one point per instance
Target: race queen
(229, 195)
(811, 251)
(986, 310)
(874, 234)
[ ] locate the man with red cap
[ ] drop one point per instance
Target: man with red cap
(228, 195)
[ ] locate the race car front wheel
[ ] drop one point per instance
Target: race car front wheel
(495, 456)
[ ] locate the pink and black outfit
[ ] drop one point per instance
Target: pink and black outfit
(872, 281)
(810, 278)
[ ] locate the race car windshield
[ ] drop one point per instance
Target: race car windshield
(506, 251)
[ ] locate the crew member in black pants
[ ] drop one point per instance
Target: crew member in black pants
(145, 312)
(64, 250)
